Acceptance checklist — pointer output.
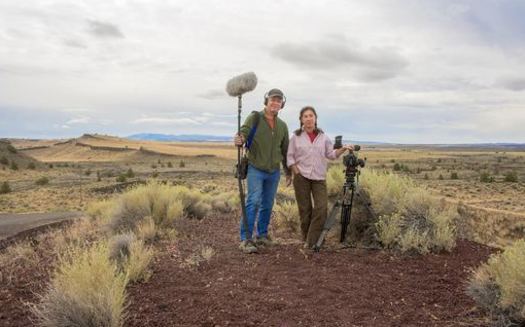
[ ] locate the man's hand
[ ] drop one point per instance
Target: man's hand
(288, 180)
(238, 140)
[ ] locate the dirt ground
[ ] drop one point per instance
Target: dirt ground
(285, 285)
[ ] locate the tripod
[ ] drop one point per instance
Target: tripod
(345, 203)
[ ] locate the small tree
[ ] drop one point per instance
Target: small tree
(130, 173)
(440, 177)
(13, 165)
(170, 165)
(121, 178)
(31, 165)
(5, 188)
(454, 175)
(426, 176)
(98, 176)
(182, 164)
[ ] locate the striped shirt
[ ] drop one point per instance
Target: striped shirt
(310, 157)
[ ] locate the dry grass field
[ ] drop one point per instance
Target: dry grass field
(92, 167)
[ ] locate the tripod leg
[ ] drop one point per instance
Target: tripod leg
(327, 225)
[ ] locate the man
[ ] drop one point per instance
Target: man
(267, 150)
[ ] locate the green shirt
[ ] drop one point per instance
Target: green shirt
(269, 146)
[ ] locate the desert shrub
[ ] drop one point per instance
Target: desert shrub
(182, 164)
(170, 165)
(397, 167)
(31, 166)
(486, 178)
(4, 161)
(163, 203)
(511, 177)
(154, 166)
(440, 177)
(130, 173)
(86, 290)
(335, 178)
(87, 172)
(410, 218)
(5, 188)
(121, 178)
(13, 166)
(498, 286)
(44, 180)
(454, 175)
(287, 216)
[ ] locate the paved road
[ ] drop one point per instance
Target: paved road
(12, 223)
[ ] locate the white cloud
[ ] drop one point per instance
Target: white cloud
(150, 65)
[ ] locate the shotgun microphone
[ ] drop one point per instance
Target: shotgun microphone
(241, 84)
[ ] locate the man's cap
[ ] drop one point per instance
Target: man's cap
(275, 93)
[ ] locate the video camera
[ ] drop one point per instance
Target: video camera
(351, 161)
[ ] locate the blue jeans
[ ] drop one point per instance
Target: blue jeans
(262, 187)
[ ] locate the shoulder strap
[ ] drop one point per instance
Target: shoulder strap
(253, 130)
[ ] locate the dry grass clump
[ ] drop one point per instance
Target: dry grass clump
(86, 290)
(131, 256)
(164, 203)
(335, 178)
(287, 216)
(101, 210)
(225, 202)
(410, 218)
(147, 230)
(17, 256)
(498, 286)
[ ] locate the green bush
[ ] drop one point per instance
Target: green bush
(130, 173)
(121, 178)
(13, 165)
(5, 188)
(511, 177)
(4, 161)
(42, 181)
(397, 167)
(454, 175)
(498, 286)
(410, 218)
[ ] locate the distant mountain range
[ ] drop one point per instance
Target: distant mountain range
(215, 138)
(180, 138)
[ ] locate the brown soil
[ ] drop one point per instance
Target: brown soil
(286, 285)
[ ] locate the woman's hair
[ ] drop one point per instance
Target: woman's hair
(300, 129)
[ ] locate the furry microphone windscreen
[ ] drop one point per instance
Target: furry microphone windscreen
(241, 84)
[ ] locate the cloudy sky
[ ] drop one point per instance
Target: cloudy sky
(410, 71)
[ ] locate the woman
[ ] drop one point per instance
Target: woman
(307, 153)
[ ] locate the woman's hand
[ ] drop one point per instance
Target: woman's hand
(295, 170)
(343, 149)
